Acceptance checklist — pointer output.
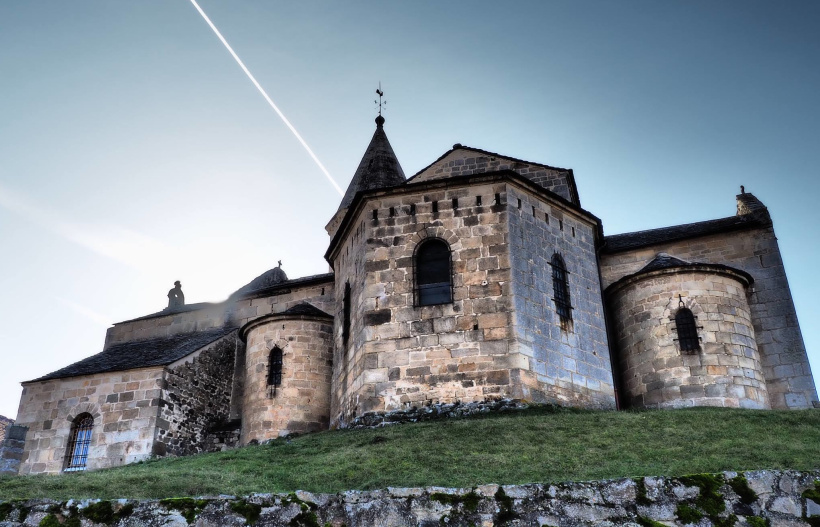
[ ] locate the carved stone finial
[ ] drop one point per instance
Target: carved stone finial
(175, 296)
(280, 263)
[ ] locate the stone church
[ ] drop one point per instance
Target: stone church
(479, 280)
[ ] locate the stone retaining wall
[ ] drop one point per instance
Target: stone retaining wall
(754, 499)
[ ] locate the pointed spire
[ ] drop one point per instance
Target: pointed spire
(379, 167)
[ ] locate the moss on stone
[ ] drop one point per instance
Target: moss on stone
(757, 521)
(649, 522)
(688, 514)
(5, 510)
(306, 518)
(640, 492)
(250, 511)
(709, 500)
(741, 487)
(469, 500)
(100, 512)
(505, 506)
(813, 494)
(188, 507)
(49, 521)
(729, 521)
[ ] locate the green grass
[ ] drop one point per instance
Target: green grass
(537, 445)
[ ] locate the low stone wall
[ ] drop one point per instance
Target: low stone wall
(11, 449)
(754, 499)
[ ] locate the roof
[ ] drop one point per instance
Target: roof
(305, 309)
(245, 291)
(663, 261)
(379, 167)
(171, 311)
(268, 279)
(141, 354)
(635, 240)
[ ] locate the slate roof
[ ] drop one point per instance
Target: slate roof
(171, 311)
(379, 167)
(141, 354)
(635, 240)
(247, 290)
(266, 280)
(663, 261)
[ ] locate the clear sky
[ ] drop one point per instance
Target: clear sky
(134, 151)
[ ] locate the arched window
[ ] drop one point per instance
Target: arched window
(275, 367)
(78, 443)
(687, 330)
(560, 288)
(433, 273)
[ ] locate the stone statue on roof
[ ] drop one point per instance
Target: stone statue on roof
(176, 298)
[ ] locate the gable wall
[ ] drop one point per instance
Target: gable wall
(463, 162)
(565, 366)
(780, 343)
(232, 313)
(124, 406)
(399, 355)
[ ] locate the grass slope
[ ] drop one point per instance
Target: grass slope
(536, 445)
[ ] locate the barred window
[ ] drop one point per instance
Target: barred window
(560, 288)
(687, 330)
(433, 273)
(78, 443)
(275, 367)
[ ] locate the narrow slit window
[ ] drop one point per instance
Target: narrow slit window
(78, 443)
(533, 211)
(478, 201)
(519, 204)
(412, 209)
(435, 206)
(392, 211)
(547, 218)
(275, 367)
(375, 214)
(687, 330)
(346, 315)
(498, 199)
(433, 273)
(560, 288)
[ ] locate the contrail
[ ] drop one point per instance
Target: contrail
(265, 95)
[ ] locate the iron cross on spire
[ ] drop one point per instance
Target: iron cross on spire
(382, 104)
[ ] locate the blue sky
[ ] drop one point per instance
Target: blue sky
(134, 151)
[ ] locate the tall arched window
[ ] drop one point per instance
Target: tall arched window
(687, 330)
(560, 288)
(78, 443)
(433, 273)
(275, 367)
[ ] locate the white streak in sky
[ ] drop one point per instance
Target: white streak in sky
(265, 95)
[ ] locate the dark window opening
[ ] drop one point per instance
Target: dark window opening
(561, 225)
(435, 206)
(323, 291)
(560, 288)
(375, 214)
(519, 203)
(412, 209)
(547, 218)
(392, 212)
(346, 315)
(498, 199)
(687, 330)
(78, 443)
(533, 211)
(573, 232)
(455, 203)
(478, 201)
(433, 273)
(275, 367)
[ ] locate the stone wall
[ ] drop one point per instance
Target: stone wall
(124, 406)
(750, 499)
(12, 449)
(725, 371)
(5, 422)
(231, 313)
(196, 400)
(301, 403)
(567, 364)
(400, 355)
(779, 340)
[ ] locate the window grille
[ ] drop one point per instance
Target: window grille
(78, 443)
(275, 367)
(346, 315)
(687, 330)
(560, 288)
(433, 273)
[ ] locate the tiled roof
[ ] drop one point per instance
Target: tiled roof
(379, 167)
(635, 240)
(141, 354)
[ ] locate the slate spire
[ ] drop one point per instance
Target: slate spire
(379, 167)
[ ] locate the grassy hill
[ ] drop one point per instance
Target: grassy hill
(536, 445)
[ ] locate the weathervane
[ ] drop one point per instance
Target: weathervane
(382, 104)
